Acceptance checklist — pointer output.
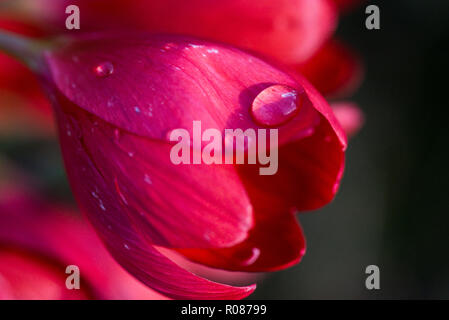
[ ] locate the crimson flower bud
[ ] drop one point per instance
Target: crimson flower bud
(39, 240)
(117, 99)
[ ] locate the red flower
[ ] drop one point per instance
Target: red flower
(288, 30)
(117, 97)
(38, 242)
(23, 106)
(295, 32)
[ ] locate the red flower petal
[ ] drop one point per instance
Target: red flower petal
(167, 201)
(308, 177)
(288, 30)
(350, 116)
(333, 70)
(124, 241)
(118, 98)
(276, 243)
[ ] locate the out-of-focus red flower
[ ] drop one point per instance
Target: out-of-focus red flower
(38, 241)
(294, 32)
(23, 105)
(334, 70)
(117, 98)
(288, 30)
(350, 117)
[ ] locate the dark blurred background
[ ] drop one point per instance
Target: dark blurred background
(392, 210)
(393, 207)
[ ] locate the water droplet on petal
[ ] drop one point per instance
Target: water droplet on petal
(208, 235)
(212, 51)
(72, 127)
(104, 69)
(170, 45)
(126, 246)
(275, 105)
(147, 179)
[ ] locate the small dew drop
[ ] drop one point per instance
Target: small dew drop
(147, 179)
(170, 46)
(275, 105)
(213, 51)
(104, 69)
(137, 109)
(208, 235)
(126, 246)
(102, 206)
(131, 154)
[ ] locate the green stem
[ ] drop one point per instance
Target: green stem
(29, 51)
